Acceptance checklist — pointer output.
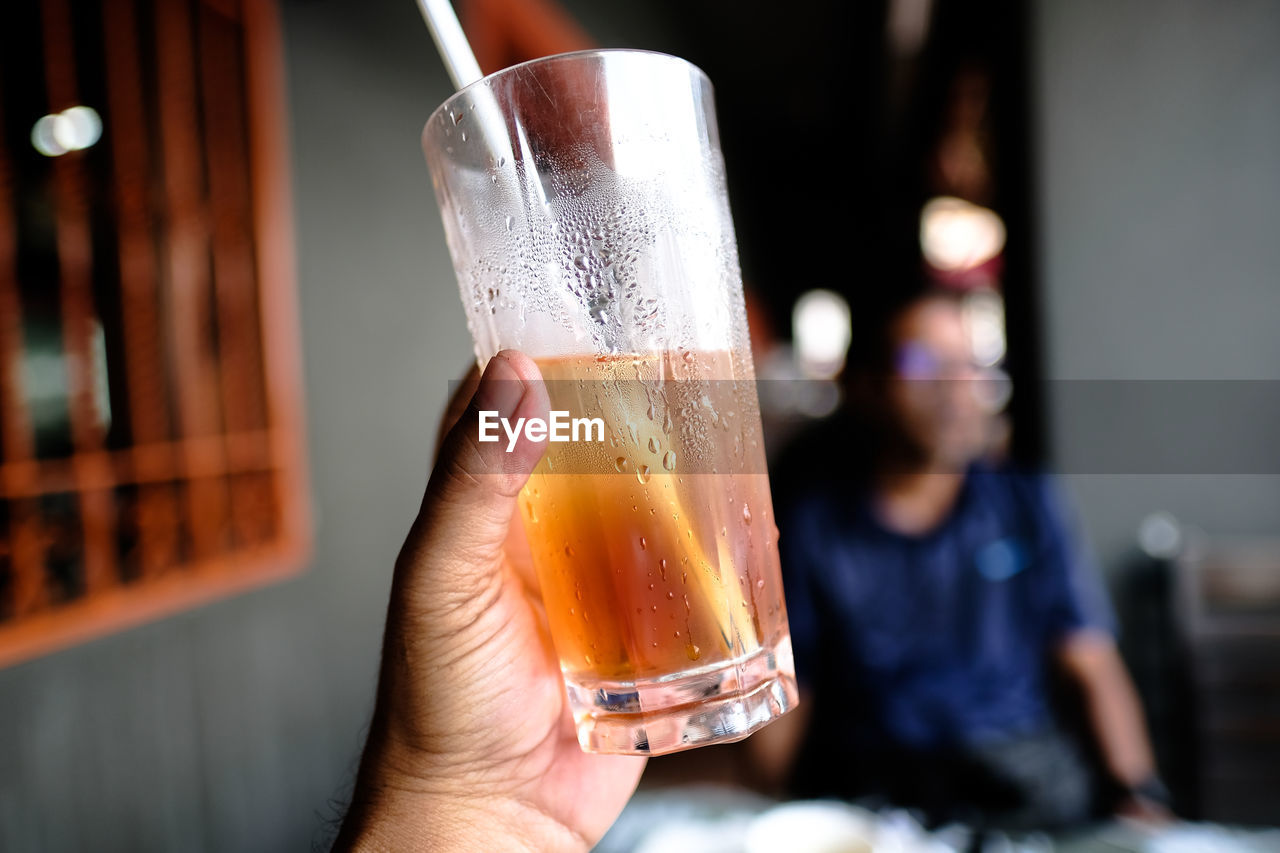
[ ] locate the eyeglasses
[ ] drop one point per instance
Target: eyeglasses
(914, 360)
(990, 386)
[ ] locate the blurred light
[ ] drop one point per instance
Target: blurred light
(984, 319)
(908, 24)
(80, 127)
(814, 827)
(1160, 536)
(820, 329)
(44, 139)
(817, 398)
(73, 129)
(957, 235)
(46, 372)
(993, 390)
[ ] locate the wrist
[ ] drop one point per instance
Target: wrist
(399, 821)
(404, 821)
(394, 808)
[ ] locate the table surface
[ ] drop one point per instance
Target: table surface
(720, 819)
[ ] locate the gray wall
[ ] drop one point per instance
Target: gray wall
(230, 728)
(1158, 144)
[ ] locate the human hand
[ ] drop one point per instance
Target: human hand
(472, 746)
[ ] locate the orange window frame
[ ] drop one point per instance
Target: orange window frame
(219, 485)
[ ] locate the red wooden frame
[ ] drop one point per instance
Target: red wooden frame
(506, 32)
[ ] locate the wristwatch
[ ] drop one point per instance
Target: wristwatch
(1151, 789)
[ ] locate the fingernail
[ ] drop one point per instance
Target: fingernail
(501, 388)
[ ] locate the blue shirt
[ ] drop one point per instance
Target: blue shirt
(938, 640)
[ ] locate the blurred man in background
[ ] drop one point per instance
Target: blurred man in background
(937, 604)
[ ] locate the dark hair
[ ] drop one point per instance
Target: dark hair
(872, 348)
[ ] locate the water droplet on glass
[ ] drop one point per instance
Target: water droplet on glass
(670, 595)
(621, 464)
(693, 651)
(587, 658)
(760, 583)
(580, 261)
(644, 543)
(464, 136)
(509, 222)
(642, 474)
(688, 354)
(746, 513)
(654, 446)
(669, 460)
(568, 551)
(578, 593)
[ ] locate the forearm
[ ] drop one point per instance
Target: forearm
(411, 824)
(1113, 709)
(1116, 716)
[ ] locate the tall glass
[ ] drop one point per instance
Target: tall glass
(585, 207)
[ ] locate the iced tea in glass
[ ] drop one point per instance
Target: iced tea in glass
(584, 202)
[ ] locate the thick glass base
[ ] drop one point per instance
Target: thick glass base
(714, 704)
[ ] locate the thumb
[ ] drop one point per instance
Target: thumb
(455, 544)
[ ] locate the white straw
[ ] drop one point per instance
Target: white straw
(447, 33)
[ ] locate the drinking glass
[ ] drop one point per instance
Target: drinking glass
(584, 203)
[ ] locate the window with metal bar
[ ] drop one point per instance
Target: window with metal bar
(151, 442)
